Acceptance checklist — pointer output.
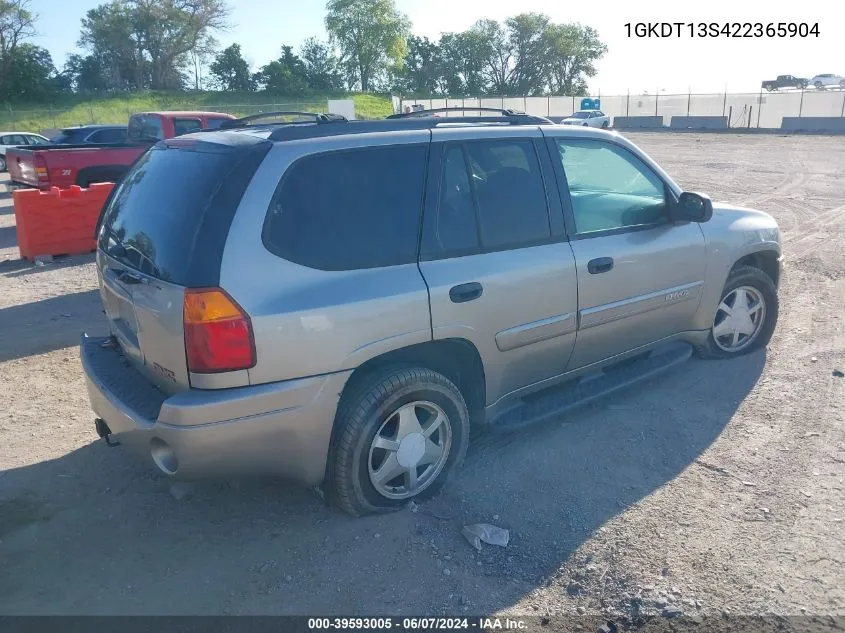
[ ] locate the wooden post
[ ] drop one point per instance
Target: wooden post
(730, 115)
(724, 102)
(750, 111)
(801, 104)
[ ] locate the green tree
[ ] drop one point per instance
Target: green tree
(230, 70)
(17, 24)
(321, 66)
(285, 75)
(527, 39)
(84, 74)
(573, 52)
(498, 54)
(371, 37)
(147, 43)
(422, 69)
(31, 74)
(463, 58)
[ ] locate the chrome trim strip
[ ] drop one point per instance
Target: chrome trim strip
(599, 315)
(536, 331)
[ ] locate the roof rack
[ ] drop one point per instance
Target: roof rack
(423, 113)
(400, 123)
(313, 117)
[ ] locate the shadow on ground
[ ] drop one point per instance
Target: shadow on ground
(23, 267)
(47, 325)
(8, 237)
(97, 531)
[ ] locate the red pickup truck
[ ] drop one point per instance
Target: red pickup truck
(65, 165)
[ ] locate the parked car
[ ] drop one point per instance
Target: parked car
(827, 81)
(13, 139)
(785, 81)
(90, 134)
(62, 165)
(588, 118)
(282, 302)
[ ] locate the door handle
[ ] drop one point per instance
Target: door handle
(599, 265)
(466, 292)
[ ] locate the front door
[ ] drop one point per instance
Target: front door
(640, 275)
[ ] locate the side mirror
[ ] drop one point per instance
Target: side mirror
(692, 207)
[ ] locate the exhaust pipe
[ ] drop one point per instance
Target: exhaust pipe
(104, 432)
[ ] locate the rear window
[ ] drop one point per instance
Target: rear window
(186, 126)
(349, 210)
(145, 128)
(215, 123)
(170, 214)
(115, 135)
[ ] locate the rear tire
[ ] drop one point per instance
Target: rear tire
(819, 85)
(2, 163)
(756, 287)
(382, 427)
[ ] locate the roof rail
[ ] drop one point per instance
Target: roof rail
(399, 124)
(424, 113)
(313, 117)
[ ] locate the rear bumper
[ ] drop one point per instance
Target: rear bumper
(279, 428)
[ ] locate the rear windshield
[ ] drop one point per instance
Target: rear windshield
(156, 220)
(144, 127)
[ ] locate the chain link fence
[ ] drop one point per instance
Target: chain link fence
(761, 110)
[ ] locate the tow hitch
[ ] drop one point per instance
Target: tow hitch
(104, 432)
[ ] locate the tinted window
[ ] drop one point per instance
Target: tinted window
(509, 192)
(70, 136)
(185, 126)
(609, 187)
(145, 127)
(108, 136)
(455, 225)
(349, 210)
(159, 205)
(491, 198)
(14, 139)
(215, 123)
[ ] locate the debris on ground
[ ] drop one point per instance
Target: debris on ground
(484, 532)
(838, 374)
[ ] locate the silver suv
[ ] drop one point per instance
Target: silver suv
(339, 302)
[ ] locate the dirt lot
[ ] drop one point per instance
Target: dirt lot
(720, 487)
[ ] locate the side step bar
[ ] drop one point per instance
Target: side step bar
(558, 400)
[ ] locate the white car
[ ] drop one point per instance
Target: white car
(828, 81)
(589, 118)
(13, 139)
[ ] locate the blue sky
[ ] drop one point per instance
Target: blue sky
(638, 64)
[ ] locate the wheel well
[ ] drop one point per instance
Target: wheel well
(767, 261)
(106, 173)
(457, 359)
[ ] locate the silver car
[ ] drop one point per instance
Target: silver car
(340, 302)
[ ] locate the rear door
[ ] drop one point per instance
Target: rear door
(163, 231)
(493, 253)
(639, 274)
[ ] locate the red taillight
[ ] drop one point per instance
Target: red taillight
(41, 169)
(218, 334)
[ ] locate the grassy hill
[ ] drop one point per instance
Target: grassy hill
(76, 110)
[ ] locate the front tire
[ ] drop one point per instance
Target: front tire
(2, 164)
(400, 436)
(746, 316)
(819, 85)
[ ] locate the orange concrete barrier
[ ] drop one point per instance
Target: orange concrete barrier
(58, 221)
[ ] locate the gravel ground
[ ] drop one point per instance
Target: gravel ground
(715, 489)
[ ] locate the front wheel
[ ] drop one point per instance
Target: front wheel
(605, 125)
(2, 163)
(746, 316)
(819, 85)
(842, 84)
(397, 438)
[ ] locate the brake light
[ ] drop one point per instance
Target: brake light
(218, 334)
(41, 169)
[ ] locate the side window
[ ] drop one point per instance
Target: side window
(185, 126)
(36, 140)
(609, 187)
(14, 139)
(350, 209)
(110, 136)
(492, 198)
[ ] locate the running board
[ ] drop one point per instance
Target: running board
(555, 401)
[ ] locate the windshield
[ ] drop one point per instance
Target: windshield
(580, 115)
